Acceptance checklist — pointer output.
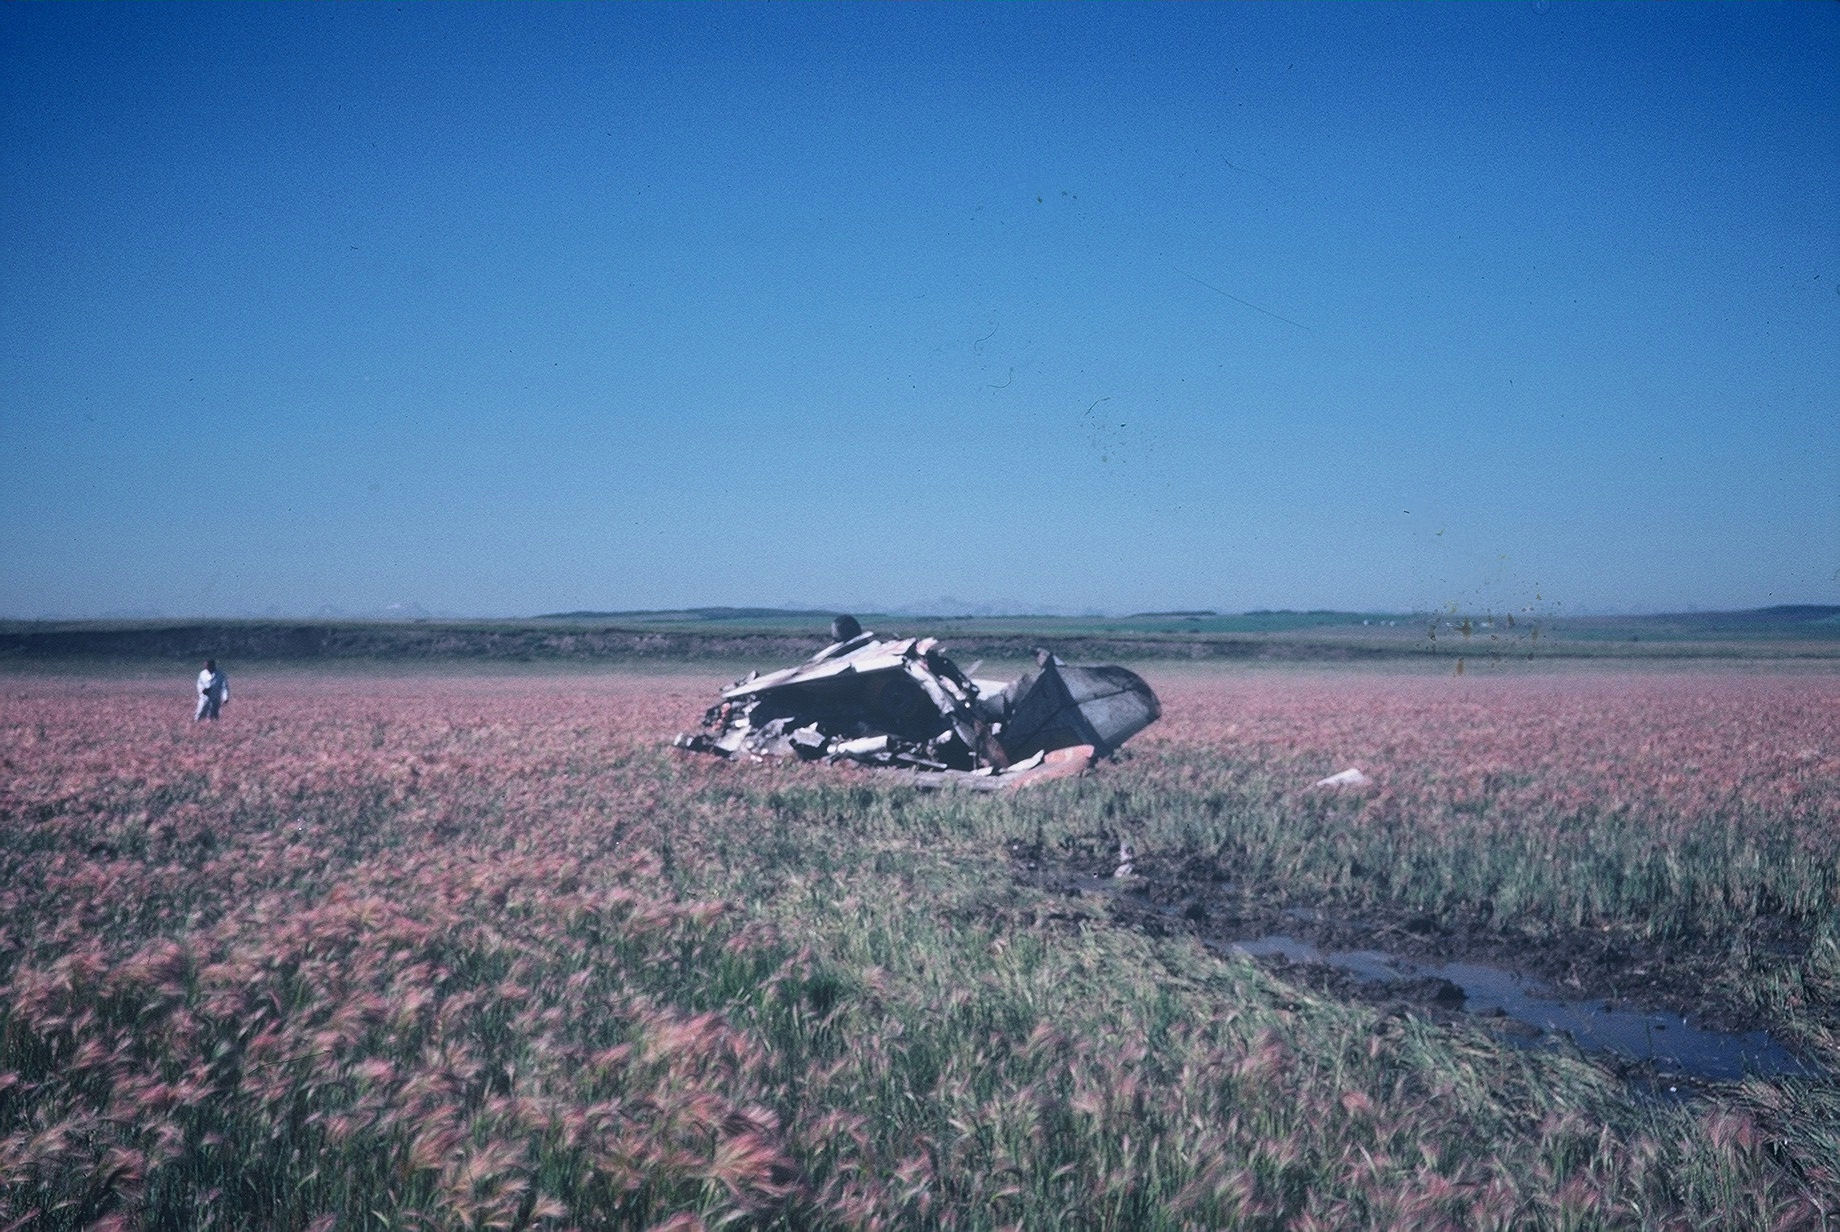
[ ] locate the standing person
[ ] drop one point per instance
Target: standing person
(213, 692)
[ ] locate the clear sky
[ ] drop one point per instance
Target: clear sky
(503, 309)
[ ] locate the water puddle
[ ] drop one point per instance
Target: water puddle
(1665, 1039)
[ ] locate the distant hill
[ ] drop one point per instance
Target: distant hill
(955, 624)
(667, 616)
(774, 635)
(1786, 614)
(1790, 621)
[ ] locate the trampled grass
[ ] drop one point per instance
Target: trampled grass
(476, 952)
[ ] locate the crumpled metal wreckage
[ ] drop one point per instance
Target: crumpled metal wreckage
(905, 710)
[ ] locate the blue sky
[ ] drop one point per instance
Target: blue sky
(497, 310)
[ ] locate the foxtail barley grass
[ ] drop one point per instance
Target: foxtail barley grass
(478, 953)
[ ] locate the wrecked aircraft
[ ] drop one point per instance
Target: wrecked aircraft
(902, 708)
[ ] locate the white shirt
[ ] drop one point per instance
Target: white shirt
(208, 680)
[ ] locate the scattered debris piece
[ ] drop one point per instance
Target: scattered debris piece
(1350, 777)
(1127, 860)
(904, 709)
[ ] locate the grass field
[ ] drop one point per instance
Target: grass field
(478, 951)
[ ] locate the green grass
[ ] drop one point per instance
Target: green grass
(560, 978)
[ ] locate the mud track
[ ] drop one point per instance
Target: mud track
(1606, 970)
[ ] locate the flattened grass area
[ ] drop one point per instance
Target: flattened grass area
(479, 952)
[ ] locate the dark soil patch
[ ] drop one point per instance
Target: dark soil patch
(1177, 893)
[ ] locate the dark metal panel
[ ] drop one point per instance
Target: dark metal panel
(1115, 702)
(1056, 706)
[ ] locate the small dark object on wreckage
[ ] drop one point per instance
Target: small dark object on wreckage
(903, 709)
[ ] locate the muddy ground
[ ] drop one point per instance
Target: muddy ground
(1174, 893)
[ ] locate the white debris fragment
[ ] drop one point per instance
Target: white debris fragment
(1127, 861)
(1350, 777)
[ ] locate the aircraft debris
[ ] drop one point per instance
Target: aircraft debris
(903, 709)
(1350, 777)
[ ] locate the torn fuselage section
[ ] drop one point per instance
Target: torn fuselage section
(902, 705)
(1059, 705)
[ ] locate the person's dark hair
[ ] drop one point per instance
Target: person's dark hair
(210, 665)
(843, 628)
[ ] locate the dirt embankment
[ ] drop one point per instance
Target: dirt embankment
(301, 641)
(295, 642)
(538, 641)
